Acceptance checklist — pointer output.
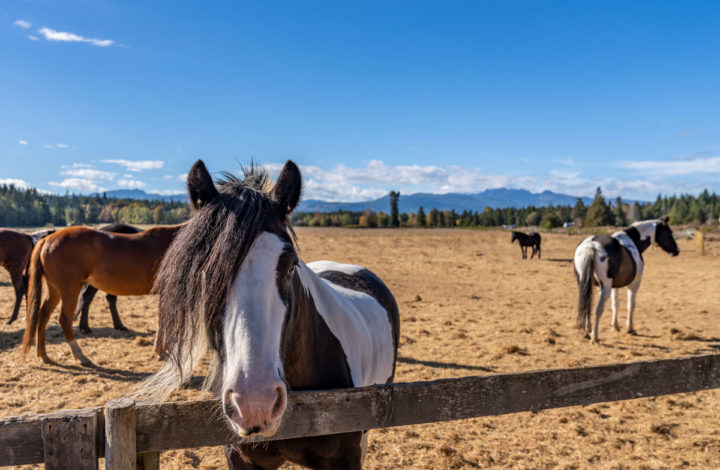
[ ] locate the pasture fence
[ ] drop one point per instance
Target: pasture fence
(131, 435)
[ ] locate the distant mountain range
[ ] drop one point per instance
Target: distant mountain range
(496, 198)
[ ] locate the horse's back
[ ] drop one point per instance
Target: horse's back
(15, 248)
(362, 313)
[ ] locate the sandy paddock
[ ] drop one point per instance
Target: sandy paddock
(469, 306)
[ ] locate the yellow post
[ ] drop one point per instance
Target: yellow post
(700, 240)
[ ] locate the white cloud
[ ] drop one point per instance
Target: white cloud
(18, 183)
(166, 192)
(375, 179)
(32, 38)
(132, 184)
(687, 166)
(52, 35)
(82, 184)
(59, 146)
(89, 173)
(22, 24)
(137, 165)
(22, 142)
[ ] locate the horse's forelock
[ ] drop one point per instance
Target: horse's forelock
(198, 269)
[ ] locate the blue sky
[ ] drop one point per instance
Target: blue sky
(365, 96)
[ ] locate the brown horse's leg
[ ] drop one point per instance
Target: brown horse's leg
(67, 312)
(47, 308)
(18, 281)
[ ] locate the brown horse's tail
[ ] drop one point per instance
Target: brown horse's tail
(585, 279)
(34, 297)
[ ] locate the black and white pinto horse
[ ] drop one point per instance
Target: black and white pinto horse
(532, 239)
(613, 262)
(232, 283)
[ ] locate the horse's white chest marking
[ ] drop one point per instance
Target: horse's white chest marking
(357, 320)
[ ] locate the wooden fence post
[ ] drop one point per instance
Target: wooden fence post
(120, 453)
(69, 440)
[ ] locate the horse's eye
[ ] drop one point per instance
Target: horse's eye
(291, 271)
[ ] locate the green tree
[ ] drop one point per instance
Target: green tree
(620, 218)
(394, 211)
(420, 217)
(579, 211)
(533, 218)
(599, 212)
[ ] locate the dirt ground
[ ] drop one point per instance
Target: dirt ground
(469, 306)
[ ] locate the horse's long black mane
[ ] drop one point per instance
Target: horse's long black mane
(198, 269)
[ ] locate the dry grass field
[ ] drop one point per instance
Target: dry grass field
(469, 306)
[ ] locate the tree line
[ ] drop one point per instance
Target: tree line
(683, 209)
(30, 208)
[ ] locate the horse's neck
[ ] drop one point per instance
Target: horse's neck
(312, 356)
(644, 233)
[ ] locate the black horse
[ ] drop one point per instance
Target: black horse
(525, 240)
(88, 293)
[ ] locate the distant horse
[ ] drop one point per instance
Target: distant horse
(532, 239)
(15, 249)
(613, 262)
(88, 292)
(232, 283)
(119, 264)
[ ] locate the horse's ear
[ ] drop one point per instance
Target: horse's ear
(201, 188)
(286, 192)
(665, 219)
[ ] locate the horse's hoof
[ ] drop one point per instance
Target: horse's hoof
(616, 328)
(632, 332)
(86, 331)
(85, 362)
(46, 360)
(121, 328)
(9, 322)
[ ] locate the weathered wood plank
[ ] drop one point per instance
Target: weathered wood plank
(70, 440)
(192, 424)
(21, 437)
(120, 453)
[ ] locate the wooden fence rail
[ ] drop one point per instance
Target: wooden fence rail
(178, 425)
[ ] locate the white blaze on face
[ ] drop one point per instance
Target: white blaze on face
(252, 329)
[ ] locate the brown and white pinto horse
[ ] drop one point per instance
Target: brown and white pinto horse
(119, 264)
(613, 262)
(232, 283)
(15, 250)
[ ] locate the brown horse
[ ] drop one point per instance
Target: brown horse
(15, 249)
(119, 264)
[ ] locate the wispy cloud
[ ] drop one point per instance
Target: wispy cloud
(687, 166)
(132, 184)
(137, 165)
(22, 142)
(58, 146)
(61, 36)
(32, 37)
(89, 173)
(81, 184)
(23, 24)
(18, 183)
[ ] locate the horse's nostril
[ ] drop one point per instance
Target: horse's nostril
(253, 430)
